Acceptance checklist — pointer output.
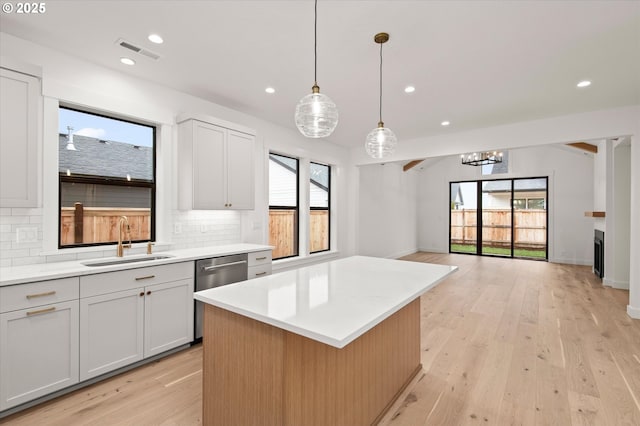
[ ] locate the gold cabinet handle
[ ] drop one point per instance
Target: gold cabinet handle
(41, 311)
(48, 293)
(261, 273)
(261, 258)
(146, 277)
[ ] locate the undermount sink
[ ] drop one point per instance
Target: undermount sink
(123, 260)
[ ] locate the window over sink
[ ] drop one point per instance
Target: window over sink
(106, 169)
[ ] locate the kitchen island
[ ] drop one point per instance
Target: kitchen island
(329, 344)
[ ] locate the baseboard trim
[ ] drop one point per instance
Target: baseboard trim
(433, 250)
(402, 253)
(567, 261)
(633, 312)
(618, 285)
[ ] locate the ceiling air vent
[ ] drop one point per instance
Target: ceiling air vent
(139, 50)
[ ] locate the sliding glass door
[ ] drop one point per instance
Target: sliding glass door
(496, 217)
(530, 221)
(500, 217)
(463, 218)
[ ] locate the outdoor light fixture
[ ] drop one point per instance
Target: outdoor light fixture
(316, 114)
(381, 142)
(481, 158)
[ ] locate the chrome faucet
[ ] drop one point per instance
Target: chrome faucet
(123, 220)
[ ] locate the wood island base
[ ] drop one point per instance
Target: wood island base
(255, 373)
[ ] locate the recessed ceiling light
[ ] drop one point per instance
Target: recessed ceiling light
(584, 83)
(155, 38)
(445, 123)
(270, 90)
(409, 89)
(127, 61)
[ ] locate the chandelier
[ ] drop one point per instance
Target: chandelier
(481, 158)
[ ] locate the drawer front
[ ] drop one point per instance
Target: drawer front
(259, 257)
(111, 282)
(25, 296)
(258, 271)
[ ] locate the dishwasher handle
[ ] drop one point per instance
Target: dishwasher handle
(223, 265)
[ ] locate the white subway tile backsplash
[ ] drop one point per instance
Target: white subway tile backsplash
(198, 229)
(25, 212)
(13, 253)
(20, 261)
(61, 257)
(14, 220)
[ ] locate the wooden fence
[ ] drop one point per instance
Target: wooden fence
(81, 224)
(282, 231)
(530, 228)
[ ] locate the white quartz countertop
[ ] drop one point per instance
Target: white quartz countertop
(333, 302)
(46, 271)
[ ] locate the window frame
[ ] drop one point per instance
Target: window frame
(297, 206)
(109, 180)
(328, 208)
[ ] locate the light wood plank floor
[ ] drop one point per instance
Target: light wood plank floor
(504, 342)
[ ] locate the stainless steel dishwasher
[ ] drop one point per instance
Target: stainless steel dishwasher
(216, 272)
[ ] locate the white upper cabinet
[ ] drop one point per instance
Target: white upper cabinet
(20, 117)
(215, 165)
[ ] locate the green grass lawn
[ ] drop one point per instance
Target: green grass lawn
(499, 251)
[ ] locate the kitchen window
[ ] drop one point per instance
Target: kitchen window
(106, 169)
(283, 205)
(319, 207)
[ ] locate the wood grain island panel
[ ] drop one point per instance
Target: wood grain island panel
(332, 343)
(255, 373)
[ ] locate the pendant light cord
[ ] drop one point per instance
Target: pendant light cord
(380, 82)
(315, 44)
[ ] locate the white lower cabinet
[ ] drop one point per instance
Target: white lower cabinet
(38, 351)
(259, 264)
(57, 333)
(168, 316)
(111, 331)
(152, 313)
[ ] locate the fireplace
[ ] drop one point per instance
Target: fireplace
(598, 253)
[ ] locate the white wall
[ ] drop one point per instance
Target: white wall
(633, 309)
(71, 80)
(570, 195)
(387, 211)
(621, 216)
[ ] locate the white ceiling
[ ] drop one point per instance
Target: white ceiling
(474, 63)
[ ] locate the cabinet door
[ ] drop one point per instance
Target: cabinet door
(209, 190)
(240, 176)
(19, 115)
(111, 331)
(168, 316)
(38, 352)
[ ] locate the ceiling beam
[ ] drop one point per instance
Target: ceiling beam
(411, 164)
(585, 146)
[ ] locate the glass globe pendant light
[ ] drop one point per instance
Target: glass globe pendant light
(316, 114)
(381, 142)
